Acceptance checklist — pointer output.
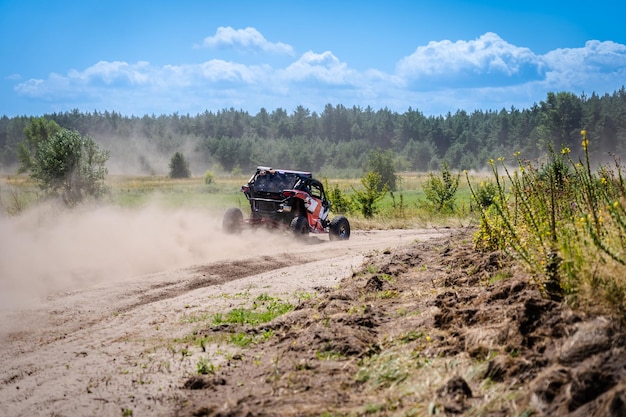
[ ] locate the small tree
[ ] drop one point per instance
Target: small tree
(339, 203)
(70, 166)
(179, 167)
(382, 163)
(441, 191)
(374, 191)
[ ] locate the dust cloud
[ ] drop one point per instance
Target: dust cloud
(50, 249)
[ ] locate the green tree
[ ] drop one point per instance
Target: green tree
(38, 131)
(374, 191)
(382, 163)
(179, 167)
(70, 166)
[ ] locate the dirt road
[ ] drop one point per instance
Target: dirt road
(116, 346)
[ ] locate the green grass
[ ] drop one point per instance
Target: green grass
(264, 309)
(402, 210)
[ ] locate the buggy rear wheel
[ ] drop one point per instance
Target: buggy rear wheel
(232, 221)
(300, 227)
(339, 228)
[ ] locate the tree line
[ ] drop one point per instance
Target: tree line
(341, 138)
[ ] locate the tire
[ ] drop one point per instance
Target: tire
(339, 228)
(232, 221)
(300, 227)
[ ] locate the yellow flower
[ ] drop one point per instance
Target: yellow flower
(518, 153)
(603, 180)
(616, 204)
(585, 141)
(565, 151)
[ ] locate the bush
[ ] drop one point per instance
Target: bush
(209, 177)
(70, 166)
(339, 203)
(485, 195)
(441, 191)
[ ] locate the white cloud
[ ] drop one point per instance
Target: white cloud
(324, 67)
(486, 73)
(110, 72)
(248, 38)
(488, 54)
(596, 63)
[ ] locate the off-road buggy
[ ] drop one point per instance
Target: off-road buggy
(291, 200)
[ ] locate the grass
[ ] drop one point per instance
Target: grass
(402, 209)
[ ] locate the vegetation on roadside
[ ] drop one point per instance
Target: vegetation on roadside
(565, 220)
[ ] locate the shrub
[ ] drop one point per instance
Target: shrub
(567, 223)
(441, 190)
(339, 203)
(70, 166)
(209, 177)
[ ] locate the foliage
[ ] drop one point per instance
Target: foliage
(382, 163)
(485, 194)
(179, 167)
(38, 131)
(365, 200)
(340, 139)
(264, 309)
(209, 177)
(567, 223)
(441, 190)
(339, 202)
(70, 166)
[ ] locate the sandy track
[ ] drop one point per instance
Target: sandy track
(119, 345)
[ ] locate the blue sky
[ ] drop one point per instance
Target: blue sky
(155, 57)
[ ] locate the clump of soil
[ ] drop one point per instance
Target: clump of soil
(431, 328)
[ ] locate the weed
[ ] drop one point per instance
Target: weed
(205, 367)
(241, 339)
(566, 222)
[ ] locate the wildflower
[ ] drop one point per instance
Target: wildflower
(516, 154)
(501, 158)
(603, 180)
(616, 204)
(565, 151)
(585, 141)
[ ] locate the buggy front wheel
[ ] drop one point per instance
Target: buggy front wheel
(339, 228)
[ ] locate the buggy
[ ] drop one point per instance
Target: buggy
(286, 199)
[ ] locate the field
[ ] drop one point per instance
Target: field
(141, 306)
(18, 192)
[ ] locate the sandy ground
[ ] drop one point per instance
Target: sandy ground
(99, 337)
